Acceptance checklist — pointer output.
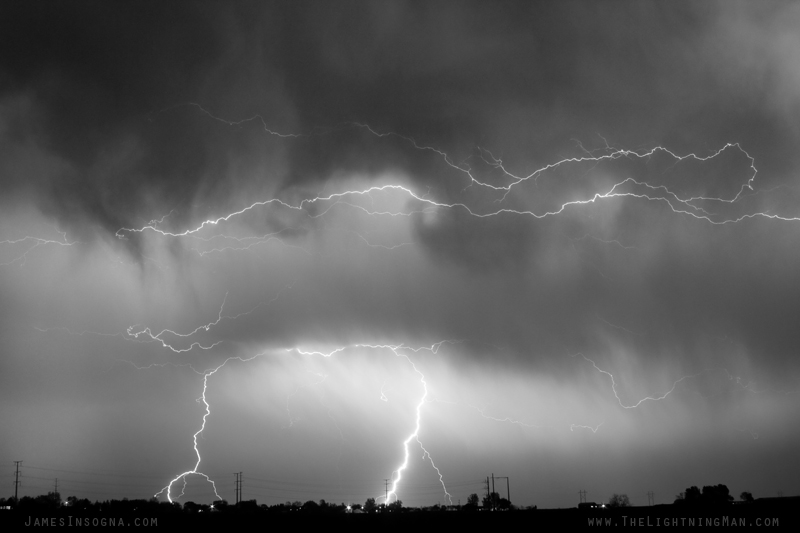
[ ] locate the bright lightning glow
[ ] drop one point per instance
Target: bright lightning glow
(627, 187)
(694, 206)
(195, 471)
(397, 474)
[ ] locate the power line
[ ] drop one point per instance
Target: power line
(91, 473)
(508, 487)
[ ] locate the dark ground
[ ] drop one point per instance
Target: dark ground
(768, 513)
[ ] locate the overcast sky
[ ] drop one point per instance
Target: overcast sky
(262, 220)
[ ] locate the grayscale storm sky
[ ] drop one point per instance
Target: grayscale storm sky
(273, 213)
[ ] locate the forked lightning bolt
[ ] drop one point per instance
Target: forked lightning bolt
(397, 474)
(627, 187)
(498, 194)
(640, 402)
(36, 242)
(195, 471)
(414, 436)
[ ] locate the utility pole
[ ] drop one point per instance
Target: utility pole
(386, 486)
(508, 489)
(236, 487)
(493, 492)
(582, 494)
(16, 482)
(241, 478)
(651, 498)
(488, 496)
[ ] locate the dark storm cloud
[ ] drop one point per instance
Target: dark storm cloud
(523, 77)
(109, 111)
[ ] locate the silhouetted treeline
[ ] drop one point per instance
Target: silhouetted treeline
(711, 495)
(50, 509)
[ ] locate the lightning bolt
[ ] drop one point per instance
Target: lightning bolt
(383, 392)
(133, 333)
(640, 402)
(640, 190)
(626, 188)
(513, 421)
(397, 474)
(572, 427)
(254, 118)
(36, 242)
(194, 471)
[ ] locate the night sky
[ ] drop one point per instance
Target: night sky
(358, 241)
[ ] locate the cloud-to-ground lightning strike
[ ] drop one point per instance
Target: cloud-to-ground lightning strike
(397, 474)
(625, 188)
(248, 227)
(194, 471)
(414, 436)
(499, 193)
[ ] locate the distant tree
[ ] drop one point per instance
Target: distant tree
(716, 495)
(191, 507)
(619, 500)
(491, 501)
(395, 505)
(220, 505)
(472, 502)
(693, 495)
(310, 505)
(503, 504)
(51, 501)
(369, 505)
(746, 497)
(710, 495)
(323, 503)
(249, 506)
